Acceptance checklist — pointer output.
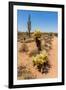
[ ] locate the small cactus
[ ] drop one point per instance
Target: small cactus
(37, 35)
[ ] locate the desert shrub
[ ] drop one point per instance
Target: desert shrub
(56, 34)
(23, 72)
(24, 48)
(28, 75)
(20, 70)
(29, 40)
(48, 42)
(33, 53)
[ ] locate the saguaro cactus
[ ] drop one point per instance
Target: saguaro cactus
(29, 25)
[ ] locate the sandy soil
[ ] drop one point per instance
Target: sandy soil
(24, 59)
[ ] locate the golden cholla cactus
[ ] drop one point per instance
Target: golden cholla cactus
(40, 58)
(37, 33)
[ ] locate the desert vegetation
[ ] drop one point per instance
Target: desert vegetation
(37, 55)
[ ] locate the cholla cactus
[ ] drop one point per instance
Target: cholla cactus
(37, 35)
(42, 62)
(40, 58)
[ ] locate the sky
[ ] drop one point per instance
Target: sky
(46, 21)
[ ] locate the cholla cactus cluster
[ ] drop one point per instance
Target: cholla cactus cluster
(37, 33)
(42, 62)
(40, 58)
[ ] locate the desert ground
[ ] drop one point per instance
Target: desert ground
(25, 63)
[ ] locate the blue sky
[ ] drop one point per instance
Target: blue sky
(46, 21)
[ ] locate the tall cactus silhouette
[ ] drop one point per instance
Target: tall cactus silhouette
(29, 25)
